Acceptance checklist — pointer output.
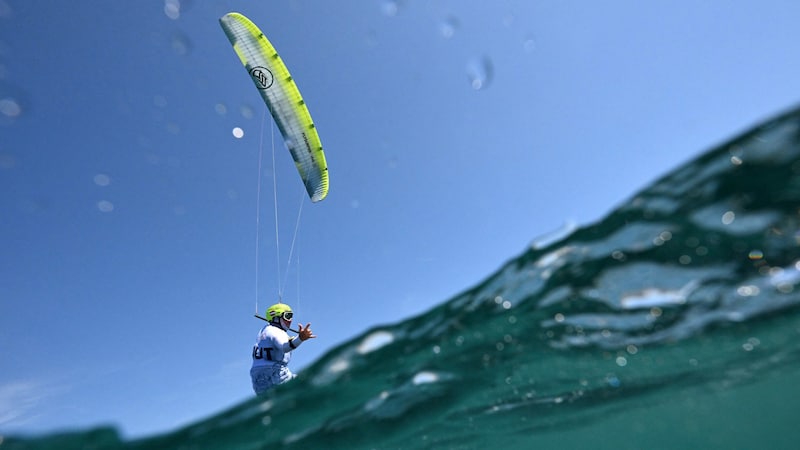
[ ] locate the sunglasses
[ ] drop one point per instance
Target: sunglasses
(287, 315)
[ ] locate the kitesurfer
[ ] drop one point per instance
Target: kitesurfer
(272, 351)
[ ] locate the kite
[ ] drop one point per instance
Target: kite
(283, 99)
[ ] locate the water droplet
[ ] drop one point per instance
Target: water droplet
(238, 133)
(529, 44)
(728, 217)
(10, 108)
(221, 109)
(105, 206)
(448, 27)
(246, 111)
(479, 73)
(102, 179)
(172, 8)
(181, 44)
(390, 7)
(748, 291)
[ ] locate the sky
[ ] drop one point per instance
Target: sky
(456, 133)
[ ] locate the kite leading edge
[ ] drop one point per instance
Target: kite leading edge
(285, 103)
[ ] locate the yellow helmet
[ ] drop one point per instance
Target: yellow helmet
(279, 310)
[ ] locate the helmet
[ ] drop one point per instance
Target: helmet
(278, 310)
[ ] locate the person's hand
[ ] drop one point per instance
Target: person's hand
(305, 333)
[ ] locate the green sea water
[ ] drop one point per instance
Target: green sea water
(674, 322)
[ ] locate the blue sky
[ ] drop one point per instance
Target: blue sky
(456, 132)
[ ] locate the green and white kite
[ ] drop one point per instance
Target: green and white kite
(285, 103)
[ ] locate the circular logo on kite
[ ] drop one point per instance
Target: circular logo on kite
(262, 76)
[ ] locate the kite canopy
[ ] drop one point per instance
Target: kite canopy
(281, 95)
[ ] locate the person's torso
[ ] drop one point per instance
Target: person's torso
(268, 350)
